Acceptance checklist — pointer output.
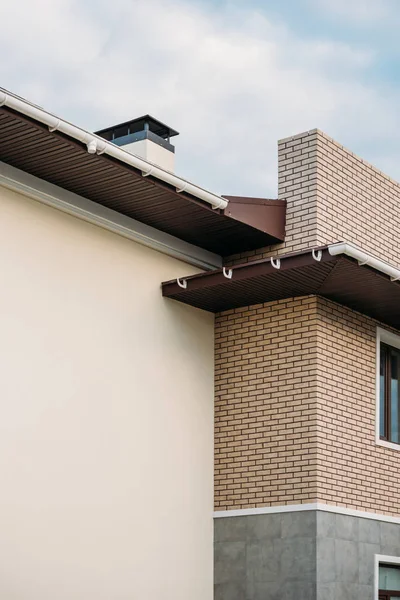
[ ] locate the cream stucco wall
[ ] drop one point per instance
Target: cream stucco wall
(106, 428)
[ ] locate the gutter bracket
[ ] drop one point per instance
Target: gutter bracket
(182, 283)
(54, 127)
(317, 255)
(181, 189)
(276, 263)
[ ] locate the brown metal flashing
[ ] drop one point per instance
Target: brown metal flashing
(30, 146)
(338, 278)
(261, 213)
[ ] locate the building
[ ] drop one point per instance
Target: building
(291, 307)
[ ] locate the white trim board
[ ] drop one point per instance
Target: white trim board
(87, 210)
(384, 559)
(340, 510)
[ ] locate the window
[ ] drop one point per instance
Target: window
(387, 389)
(389, 582)
(389, 394)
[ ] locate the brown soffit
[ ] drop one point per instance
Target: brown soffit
(29, 145)
(338, 278)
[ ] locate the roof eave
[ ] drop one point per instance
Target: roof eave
(340, 272)
(183, 209)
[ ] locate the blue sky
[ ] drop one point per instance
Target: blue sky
(233, 77)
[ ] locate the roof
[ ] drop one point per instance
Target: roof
(81, 162)
(338, 277)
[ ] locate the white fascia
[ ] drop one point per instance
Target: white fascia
(83, 208)
(97, 145)
(364, 258)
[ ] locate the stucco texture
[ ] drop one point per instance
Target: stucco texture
(106, 428)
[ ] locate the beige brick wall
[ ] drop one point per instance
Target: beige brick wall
(295, 409)
(353, 470)
(356, 202)
(295, 380)
(265, 405)
(333, 195)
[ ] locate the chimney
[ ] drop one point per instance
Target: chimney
(146, 137)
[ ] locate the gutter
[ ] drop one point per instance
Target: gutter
(364, 258)
(97, 145)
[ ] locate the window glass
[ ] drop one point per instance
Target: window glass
(389, 578)
(394, 400)
(389, 394)
(107, 135)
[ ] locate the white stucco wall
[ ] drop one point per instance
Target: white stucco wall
(106, 425)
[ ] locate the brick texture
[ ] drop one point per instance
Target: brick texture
(295, 379)
(333, 195)
(356, 202)
(295, 409)
(265, 407)
(353, 470)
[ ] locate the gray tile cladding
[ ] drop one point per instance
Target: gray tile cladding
(306, 555)
(277, 557)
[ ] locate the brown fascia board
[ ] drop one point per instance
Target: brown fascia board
(264, 214)
(243, 272)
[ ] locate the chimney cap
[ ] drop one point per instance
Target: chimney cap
(146, 122)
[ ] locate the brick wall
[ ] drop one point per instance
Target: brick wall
(265, 404)
(295, 380)
(333, 195)
(295, 409)
(356, 202)
(353, 470)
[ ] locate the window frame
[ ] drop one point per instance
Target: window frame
(389, 339)
(381, 559)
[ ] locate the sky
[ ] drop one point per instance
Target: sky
(232, 77)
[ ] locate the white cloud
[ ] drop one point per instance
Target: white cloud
(231, 81)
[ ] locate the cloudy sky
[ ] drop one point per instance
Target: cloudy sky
(232, 76)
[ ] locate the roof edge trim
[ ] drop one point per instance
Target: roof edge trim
(78, 206)
(97, 145)
(364, 258)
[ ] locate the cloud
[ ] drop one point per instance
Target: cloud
(230, 80)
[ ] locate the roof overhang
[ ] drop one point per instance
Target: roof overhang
(340, 272)
(39, 143)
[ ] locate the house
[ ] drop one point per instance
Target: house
(128, 296)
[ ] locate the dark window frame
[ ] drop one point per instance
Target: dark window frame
(388, 594)
(386, 350)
